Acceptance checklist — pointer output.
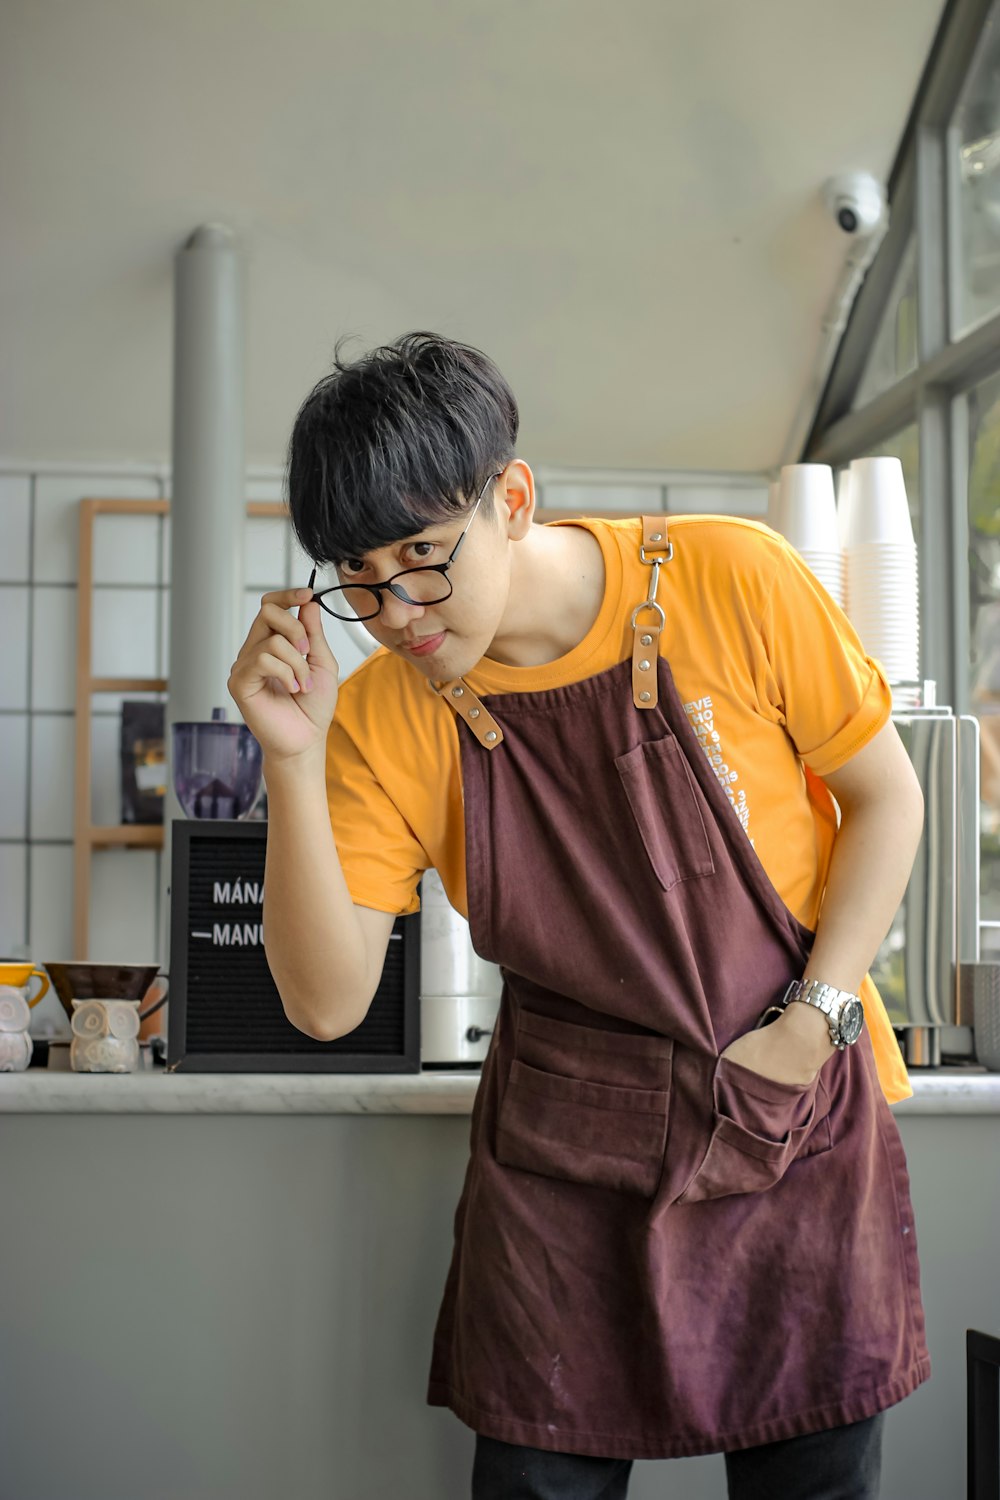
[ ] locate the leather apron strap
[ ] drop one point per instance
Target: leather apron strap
(654, 551)
(463, 700)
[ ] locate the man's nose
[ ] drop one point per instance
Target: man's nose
(396, 615)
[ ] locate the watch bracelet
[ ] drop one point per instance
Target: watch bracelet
(810, 987)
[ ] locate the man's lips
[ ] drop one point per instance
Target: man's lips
(424, 645)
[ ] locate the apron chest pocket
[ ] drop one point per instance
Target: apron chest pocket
(760, 1127)
(568, 1125)
(663, 797)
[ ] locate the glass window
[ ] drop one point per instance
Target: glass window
(984, 623)
(894, 352)
(976, 140)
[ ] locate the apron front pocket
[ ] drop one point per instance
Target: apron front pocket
(663, 797)
(760, 1127)
(591, 1133)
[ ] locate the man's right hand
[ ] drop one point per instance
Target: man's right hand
(270, 678)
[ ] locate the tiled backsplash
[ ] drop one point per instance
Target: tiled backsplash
(39, 525)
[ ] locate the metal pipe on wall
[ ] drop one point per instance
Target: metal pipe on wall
(208, 500)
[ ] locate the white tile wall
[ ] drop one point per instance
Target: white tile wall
(14, 905)
(163, 654)
(111, 703)
(53, 648)
(14, 603)
(15, 518)
(265, 555)
(299, 565)
(251, 609)
(271, 488)
(124, 642)
(38, 602)
(53, 748)
(57, 514)
(105, 769)
(123, 897)
(13, 778)
(127, 549)
(50, 926)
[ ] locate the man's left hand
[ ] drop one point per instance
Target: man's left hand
(792, 1049)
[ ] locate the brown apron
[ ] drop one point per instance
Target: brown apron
(658, 1252)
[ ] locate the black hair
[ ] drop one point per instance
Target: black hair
(399, 440)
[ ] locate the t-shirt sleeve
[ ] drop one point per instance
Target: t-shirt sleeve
(830, 695)
(381, 857)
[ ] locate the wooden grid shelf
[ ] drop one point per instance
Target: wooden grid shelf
(88, 836)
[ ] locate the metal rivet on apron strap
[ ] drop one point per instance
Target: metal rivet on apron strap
(460, 697)
(654, 551)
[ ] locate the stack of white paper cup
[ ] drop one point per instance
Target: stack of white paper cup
(844, 510)
(807, 517)
(881, 557)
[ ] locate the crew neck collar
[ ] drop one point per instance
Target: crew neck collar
(494, 676)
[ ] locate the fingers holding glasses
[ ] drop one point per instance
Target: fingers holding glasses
(282, 661)
(285, 679)
(275, 618)
(278, 645)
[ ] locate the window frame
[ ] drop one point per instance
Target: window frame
(924, 198)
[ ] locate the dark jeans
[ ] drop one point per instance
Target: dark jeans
(842, 1463)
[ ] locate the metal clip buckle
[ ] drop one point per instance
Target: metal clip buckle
(663, 557)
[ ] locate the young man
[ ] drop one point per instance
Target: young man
(686, 1225)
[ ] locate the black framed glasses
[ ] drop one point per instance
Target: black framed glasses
(427, 585)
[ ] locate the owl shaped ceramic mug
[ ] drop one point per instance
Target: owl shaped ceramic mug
(105, 1036)
(16, 1045)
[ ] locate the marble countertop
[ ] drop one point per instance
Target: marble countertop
(944, 1091)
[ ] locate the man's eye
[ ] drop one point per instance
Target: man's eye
(422, 556)
(351, 565)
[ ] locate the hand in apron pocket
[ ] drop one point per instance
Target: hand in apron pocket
(570, 1109)
(759, 1127)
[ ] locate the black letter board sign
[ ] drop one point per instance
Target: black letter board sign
(225, 1013)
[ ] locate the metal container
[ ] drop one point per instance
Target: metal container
(936, 928)
(459, 991)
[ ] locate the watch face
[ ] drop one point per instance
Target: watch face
(852, 1019)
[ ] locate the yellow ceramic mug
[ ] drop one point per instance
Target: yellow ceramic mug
(18, 975)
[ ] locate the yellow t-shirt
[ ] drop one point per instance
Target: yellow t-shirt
(772, 675)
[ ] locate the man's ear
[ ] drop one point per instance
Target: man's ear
(516, 487)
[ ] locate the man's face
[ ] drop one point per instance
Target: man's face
(446, 639)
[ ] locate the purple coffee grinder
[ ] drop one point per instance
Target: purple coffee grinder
(217, 768)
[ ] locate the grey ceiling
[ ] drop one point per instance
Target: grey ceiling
(620, 202)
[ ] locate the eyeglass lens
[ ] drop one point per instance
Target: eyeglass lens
(414, 586)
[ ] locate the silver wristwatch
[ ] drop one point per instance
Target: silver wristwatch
(843, 1011)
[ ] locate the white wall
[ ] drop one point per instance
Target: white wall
(39, 524)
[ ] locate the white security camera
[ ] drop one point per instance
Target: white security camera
(857, 202)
